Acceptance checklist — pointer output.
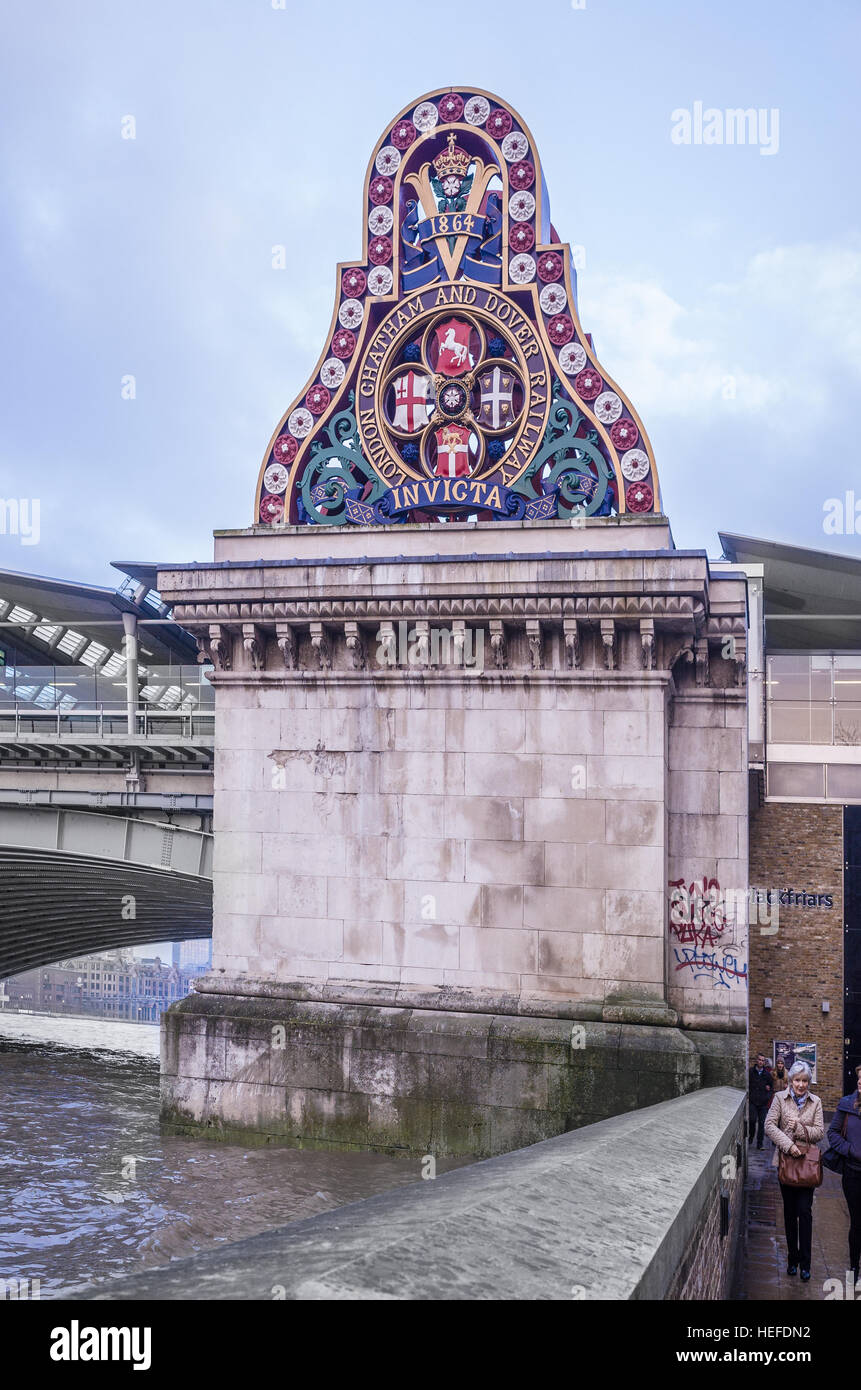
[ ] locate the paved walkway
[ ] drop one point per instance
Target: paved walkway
(765, 1275)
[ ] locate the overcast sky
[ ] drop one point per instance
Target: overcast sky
(722, 284)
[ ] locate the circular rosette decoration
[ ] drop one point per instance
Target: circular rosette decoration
(521, 270)
(381, 190)
(301, 422)
(353, 283)
(271, 509)
(388, 161)
(553, 299)
(275, 478)
(317, 400)
(403, 135)
(332, 373)
(624, 435)
(380, 280)
(499, 123)
(284, 449)
(344, 343)
(635, 465)
(639, 497)
(572, 359)
(521, 237)
(608, 407)
(425, 116)
(522, 174)
(560, 331)
(550, 266)
(380, 250)
(521, 206)
(351, 313)
(588, 384)
(380, 223)
(476, 111)
(451, 107)
(515, 146)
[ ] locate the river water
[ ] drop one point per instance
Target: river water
(89, 1188)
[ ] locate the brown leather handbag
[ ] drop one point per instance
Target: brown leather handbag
(805, 1171)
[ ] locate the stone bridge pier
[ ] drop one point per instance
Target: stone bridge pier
(460, 771)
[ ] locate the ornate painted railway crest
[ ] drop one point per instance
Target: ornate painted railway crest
(456, 380)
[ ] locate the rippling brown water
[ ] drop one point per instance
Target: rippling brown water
(90, 1190)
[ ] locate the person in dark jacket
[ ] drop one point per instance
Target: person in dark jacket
(761, 1088)
(849, 1110)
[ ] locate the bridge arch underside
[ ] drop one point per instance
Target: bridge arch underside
(54, 905)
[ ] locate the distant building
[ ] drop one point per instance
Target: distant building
(188, 953)
(112, 985)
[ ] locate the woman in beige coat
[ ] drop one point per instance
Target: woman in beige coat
(795, 1117)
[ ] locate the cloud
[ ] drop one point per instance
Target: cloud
(780, 344)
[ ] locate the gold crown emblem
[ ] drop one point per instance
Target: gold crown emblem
(454, 160)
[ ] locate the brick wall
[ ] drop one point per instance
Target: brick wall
(800, 847)
(709, 1265)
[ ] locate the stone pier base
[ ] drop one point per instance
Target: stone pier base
(417, 1081)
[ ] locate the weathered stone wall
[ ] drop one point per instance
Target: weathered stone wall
(708, 843)
(409, 1080)
(493, 835)
(799, 965)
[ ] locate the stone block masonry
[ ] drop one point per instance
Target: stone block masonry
(496, 839)
(412, 1081)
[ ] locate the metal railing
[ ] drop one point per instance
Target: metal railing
(105, 721)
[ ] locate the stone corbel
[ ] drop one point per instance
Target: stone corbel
(254, 643)
(701, 655)
(497, 644)
(355, 646)
(573, 652)
(608, 637)
(321, 645)
(458, 641)
(219, 646)
(387, 645)
(287, 645)
(420, 655)
(647, 640)
(533, 637)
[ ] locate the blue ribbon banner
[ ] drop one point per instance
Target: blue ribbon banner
(441, 494)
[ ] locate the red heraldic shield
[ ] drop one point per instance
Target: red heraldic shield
(452, 338)
(452, 452)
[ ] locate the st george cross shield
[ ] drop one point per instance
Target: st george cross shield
(411, 403)
(452, 340)
(497, 398)
(452, 452)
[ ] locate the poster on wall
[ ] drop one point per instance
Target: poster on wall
(792, 1052)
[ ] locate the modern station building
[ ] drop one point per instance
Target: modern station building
(804, 684)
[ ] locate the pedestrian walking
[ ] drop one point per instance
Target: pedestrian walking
(795, 1123)
(780, 1075)
(844, 1136)
(761, 1089)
